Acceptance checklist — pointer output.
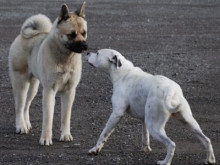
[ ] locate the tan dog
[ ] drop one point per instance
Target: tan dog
(48, 54)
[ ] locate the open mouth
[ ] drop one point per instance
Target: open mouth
(78, 50)
(91, 64)
(83, 51)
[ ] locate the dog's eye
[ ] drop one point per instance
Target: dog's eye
(83, 33)
(97, 53)
(71, 36)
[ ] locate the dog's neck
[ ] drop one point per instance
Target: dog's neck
(117, 73)
(62, 54)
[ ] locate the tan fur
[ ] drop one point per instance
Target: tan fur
(75, 23)
(36, 56)
(20, 65)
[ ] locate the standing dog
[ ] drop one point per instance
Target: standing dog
(49, 54)
(152, 99)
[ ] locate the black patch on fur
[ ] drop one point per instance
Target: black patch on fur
(77, 46)
(64, 14)
(30, 76)
(72, 35)
(119, 63)
(84, 33)
(116, 61)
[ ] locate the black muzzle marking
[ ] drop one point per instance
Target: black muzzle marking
(77, 47)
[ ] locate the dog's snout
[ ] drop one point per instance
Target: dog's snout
(77, 47)
(88, 53)
(84, 46)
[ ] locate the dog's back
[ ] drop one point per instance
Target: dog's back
(33, 32)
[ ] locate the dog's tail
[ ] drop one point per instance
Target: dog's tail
(172, 99)
(34, 25)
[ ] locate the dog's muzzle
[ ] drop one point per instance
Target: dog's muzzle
(88, 54)
(77, 47)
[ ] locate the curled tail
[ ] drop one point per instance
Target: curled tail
(172, 99)
(35, 25)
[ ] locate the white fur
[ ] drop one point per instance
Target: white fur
(34, 25)
(152, 99)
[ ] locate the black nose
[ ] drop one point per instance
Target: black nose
(84, 45)
(88, 53)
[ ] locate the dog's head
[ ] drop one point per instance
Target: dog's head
(105, 59)
(72, 29)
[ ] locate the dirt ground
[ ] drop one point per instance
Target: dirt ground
(177, 38)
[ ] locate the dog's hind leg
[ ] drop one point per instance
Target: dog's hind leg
(186, 117)
(145, 139)
(156, 118)
(20, 85)
(34, 84)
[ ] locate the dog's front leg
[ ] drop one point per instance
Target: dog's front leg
(67, 99)
(145, 139)
(48, 111)
(109, 128)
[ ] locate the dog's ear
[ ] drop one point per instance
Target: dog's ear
(81, 11)
(116, 61)
(64, 13)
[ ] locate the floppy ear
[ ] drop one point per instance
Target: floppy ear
(116, 61)
(64, 13)
(81, 11)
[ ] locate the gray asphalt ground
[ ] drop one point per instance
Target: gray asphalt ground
(176, 38)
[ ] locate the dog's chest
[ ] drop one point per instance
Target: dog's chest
(66, 77)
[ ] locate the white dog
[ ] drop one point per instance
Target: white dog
(152, 99)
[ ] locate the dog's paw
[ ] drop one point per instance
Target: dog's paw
(210, 162)
(28, 124)
(22, 128)
(210, 159)
(45, 141)
(27, 121)
(146, 149)
(66, 137)
(163, 162)
(94, 151)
